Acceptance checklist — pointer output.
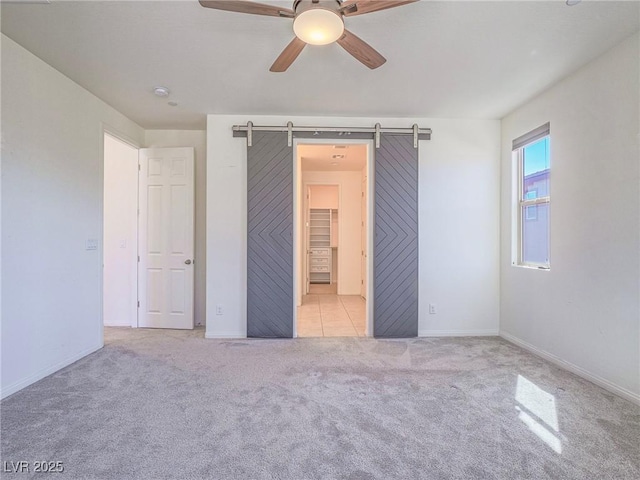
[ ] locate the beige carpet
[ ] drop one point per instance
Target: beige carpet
(172, 405)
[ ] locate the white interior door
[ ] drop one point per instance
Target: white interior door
(166, 238)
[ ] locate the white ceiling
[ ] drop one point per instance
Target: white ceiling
(322, 158)
(445, 59)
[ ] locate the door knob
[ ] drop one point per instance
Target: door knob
(187, 262)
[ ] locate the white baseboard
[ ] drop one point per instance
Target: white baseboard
(235, 335)
(11, 389)
(581, 372)
(458, 333)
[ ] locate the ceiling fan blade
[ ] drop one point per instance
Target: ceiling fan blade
(288, 55)
(370, 6)
(361, 50)
(242, 6)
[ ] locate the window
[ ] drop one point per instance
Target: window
(531, 155)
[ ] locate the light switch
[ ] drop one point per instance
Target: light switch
(92, 244)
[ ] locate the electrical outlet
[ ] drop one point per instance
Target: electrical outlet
(433, 309)
(219, 309)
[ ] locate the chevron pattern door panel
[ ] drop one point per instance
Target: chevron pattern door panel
(270, 236)
(395, 262)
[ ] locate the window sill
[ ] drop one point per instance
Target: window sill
(532, 267)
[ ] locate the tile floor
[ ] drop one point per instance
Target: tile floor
(331, 315)
(323, 288)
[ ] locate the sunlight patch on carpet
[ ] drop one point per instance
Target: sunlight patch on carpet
(537, 410)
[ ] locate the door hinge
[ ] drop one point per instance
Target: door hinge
(138, 303)
(138, 257)
(361, 282)
(139, 167)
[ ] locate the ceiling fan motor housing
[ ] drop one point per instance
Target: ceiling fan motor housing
(300, 6)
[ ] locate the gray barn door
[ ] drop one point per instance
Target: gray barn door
(395, 262)
(270, 236)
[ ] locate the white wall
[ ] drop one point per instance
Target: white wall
(459, 221)
(323, 196)
(52, 179)
(584, 313)
(348, 225)
(120, 244)
(198, 140)
(459, 197)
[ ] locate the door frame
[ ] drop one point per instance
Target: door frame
(106, 129)
(298, 205)
(365, 248)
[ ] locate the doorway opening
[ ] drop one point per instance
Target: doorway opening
(148, 235)
(120, 233)
(333, 235)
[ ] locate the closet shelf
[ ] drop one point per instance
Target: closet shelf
(320, 254)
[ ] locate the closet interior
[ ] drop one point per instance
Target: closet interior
(322, 224)
(321, 234)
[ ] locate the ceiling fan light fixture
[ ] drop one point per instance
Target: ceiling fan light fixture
(318, 26)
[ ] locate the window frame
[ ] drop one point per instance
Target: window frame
(520, 205)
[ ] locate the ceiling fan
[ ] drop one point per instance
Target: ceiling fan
(316, 22)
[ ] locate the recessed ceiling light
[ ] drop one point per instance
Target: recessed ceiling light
(161, 91)
(337, 156)
(571, 3)
(173, 104)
